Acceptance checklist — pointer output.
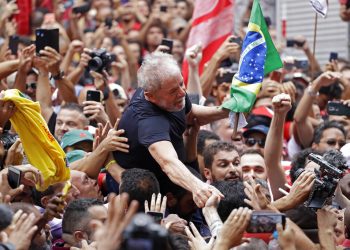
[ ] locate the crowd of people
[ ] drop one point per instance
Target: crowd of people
(154, 161)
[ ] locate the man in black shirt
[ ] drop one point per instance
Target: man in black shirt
(155, 121)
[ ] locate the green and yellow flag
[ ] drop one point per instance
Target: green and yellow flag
(258, 58)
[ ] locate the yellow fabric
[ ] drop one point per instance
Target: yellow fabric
(40, 147)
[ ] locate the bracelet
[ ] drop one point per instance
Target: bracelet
(311, 92)
(109, 164)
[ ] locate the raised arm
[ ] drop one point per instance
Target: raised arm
(207, 78)
(194, 56)
(302, 123)
(274, 142)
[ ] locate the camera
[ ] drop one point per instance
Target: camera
(144, 234)
(327, 178)
(7, 140)
(100, 60)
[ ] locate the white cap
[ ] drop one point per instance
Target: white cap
(345, 150)
(122, 94)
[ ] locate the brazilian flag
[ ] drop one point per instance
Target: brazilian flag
(258, 58)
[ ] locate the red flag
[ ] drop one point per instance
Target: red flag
(212, 24)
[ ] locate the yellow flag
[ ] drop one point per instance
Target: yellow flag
(40, 147)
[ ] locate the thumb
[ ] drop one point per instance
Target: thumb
(16, 191)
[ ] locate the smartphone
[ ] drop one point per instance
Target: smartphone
(81, 9)
(301, 64)
(93, 95)
(156, 216)
(14, 177)
(265, 222)
(163, 8)
(109, 22)
(46, 37)
(169, 43)
(290, 42)
(13, 44)
(333, 56)
(276, 76)
(337, 108)
(237, 40)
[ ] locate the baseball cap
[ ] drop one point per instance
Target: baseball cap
(258, 128)
(75, 155)
(74, 136)
(118, 91)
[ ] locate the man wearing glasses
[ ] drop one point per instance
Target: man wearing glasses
(255, 137)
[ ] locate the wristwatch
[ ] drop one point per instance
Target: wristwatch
(59, 76)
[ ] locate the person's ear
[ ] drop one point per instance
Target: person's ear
(314, 145)
(150, 96)
(207, 174)
(44, 201)
(171, 200)
(79, 236)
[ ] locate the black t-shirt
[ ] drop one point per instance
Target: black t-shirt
(144, 124)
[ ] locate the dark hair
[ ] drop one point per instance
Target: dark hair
(326, 125)
(252, 151)
(204, 135)
(72, 106)
(234, 197)
(5, 216)
(213, 149)
(76, 215)
(333, 91)
(140, 184)
(178, 241)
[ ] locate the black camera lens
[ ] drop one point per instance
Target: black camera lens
(95, 64)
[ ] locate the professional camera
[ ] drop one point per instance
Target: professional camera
(144, 234)
(100, 60)
(327, 178)
(7, 140)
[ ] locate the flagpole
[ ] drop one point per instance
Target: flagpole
(314, 47)
(235, 126)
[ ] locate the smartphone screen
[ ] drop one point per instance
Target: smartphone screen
(13, 44)
(93, 95)
(169, 44)
(46, 37)
(261, 222)
(290, 43)
(333, 56)
(338, 108)
(156, 216)
(14, 177)
(163, 8)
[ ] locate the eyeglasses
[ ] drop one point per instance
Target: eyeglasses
(31, 85)
(333, 142)
(252, 141)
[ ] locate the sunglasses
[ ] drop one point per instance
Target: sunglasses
(252, 141)
(333, 142)
(31, 85)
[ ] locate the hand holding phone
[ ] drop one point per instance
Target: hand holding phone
(265, 222)
(46, 37)
(168, 43)
(333, 56)
(14, 177)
